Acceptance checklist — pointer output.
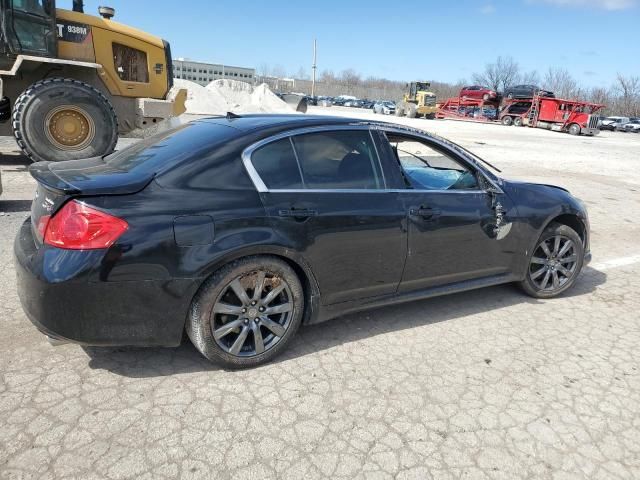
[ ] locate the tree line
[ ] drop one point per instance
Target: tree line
(621, 98)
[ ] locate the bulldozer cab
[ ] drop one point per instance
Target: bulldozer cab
(28, 27)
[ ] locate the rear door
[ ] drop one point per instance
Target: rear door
(452, 221)
(325, 194)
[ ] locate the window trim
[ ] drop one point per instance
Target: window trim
(370, 127)
(262, 187)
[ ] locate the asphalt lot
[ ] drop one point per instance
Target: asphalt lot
(489, 384)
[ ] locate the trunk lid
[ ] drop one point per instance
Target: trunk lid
(61, 181)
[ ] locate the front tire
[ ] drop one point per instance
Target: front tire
(574, 129)
(411, 111)
(246, 313)
(555, 263)
(64, 119)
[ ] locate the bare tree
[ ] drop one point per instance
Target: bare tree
(530, 78)
(560, 81)
(629, 91)
(502, 73)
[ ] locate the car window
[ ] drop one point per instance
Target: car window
(428, 168)
(276, 164)
(338, 160)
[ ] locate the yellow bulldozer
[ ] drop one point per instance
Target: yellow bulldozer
(70, 82)
(417, 101)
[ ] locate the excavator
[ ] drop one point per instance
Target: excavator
(71, 83)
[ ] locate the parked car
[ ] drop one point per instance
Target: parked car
(355, 103)
(325, 101)
(526, 91)
(612, 123)
(385, 108)
(238, 229)
(632, 126)
(478, 91)
(367, 104)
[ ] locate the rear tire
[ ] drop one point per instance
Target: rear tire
(216, 307)
(518, 121)
(550, 274)
(507, 121)
(63, 119)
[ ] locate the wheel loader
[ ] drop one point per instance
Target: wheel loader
(70, 82)
(417, 101)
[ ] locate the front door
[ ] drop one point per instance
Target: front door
(452, 220)
(325, 196)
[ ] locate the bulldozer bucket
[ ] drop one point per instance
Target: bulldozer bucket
(296, 102)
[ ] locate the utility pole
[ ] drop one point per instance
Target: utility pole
(313, 70)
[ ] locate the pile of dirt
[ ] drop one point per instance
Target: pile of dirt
(222, 96)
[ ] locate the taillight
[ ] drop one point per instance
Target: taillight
(79, 227)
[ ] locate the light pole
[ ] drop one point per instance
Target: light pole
(313, 70)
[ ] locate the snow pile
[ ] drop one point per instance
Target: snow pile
(222, 96)
(201, 101)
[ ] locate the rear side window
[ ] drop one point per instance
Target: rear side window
(338, 160)
(277, 166)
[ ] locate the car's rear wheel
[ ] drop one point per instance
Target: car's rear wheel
(247, 312)
(555, 262)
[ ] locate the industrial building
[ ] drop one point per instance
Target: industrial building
(203, 73)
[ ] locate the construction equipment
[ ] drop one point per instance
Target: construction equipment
(417, 101)
(70, 83)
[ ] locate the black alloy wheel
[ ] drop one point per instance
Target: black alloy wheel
(555, 263)
(247, 312)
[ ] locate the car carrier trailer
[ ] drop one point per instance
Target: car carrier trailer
(557, 114)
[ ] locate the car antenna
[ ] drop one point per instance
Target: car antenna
(231, 115)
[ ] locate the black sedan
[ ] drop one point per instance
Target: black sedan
(526, 91)
(240, 229)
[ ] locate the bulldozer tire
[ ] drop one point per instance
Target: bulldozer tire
(411, 111)
(400, 111)
(59, 119)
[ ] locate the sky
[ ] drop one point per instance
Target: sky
(445, 40)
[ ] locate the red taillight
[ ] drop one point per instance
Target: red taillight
(79, 227)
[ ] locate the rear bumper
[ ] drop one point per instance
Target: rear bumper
(60, 300)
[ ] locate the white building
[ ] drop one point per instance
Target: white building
(203, 73)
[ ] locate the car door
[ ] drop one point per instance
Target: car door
(457, 229)
(324, 192)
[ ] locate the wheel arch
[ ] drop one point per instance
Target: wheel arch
(299, 265)
(573, 221)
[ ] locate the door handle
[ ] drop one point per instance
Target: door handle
(425, 212)
(298, 213)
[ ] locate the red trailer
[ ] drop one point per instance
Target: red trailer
(558, 114)
(469, 109)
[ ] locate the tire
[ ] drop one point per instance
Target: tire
(507, 121)
(411, 111)
(42, 110)
(510, 96)
(399, 111)
(518, 122)
(574, 129)
(430, 116)
(537, 271)
(485, 97)
(218, 291)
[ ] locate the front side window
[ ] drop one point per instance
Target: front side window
(426, 167)
(130, 63)
(340, 159)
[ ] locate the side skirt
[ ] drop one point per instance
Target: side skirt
(327, 312)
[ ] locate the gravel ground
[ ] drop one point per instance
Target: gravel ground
(488, 384)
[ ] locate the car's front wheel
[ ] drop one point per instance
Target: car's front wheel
(555, 262)
(247, 312)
